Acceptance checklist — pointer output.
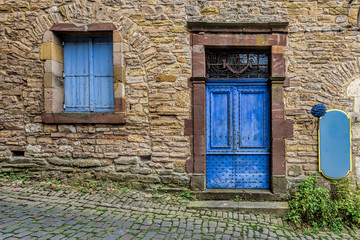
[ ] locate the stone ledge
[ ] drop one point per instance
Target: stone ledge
(111, 118)
(278, 209)
(246, 27)
(244, 194)
(94, 27)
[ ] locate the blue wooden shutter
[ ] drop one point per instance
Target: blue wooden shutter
(77, 75)
(102, 87)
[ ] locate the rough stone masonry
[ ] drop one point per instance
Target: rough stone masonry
(144, 142)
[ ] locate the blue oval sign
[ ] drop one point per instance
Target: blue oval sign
(335, 144)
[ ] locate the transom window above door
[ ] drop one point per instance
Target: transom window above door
(236, 64)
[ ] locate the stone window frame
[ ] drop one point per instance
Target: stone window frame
(358, 18)
(53, 55)
(257, 35)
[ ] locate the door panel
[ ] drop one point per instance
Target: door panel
(252, 171)
(220, 171)
(220, 124)
(238, 135)
(252, 128)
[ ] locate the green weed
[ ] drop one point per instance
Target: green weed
(186, 194)
(317, 207)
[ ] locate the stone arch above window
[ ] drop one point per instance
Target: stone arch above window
(52, 52)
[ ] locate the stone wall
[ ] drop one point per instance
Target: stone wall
(322, 59)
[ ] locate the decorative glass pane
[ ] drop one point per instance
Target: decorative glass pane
(236, 64)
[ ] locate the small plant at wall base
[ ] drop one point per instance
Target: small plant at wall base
(317, 207)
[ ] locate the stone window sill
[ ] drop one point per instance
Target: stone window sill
(111, 118)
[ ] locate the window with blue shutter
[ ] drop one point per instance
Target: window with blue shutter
(88, 73)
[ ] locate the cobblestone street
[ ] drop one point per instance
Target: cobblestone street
(31, 212)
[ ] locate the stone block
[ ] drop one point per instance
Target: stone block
(51, 51)
(33, 127)
(199, 163)
(166, 78)
(188, 129)
(14, 125)
(45, 140)
(294, 170)
(117, 47)
(119, 90)
(142, 171)
(48, 79)
(279, 185)
(148, 54)
(162, 23)
(182, 99)
(83, 163)
(277, 93)
(67, 27)
(177, 29)
(209, 11)
(67, 128)
(48, 101)
(50, 37)
(197, 182)
(118, 59)
(198, 64)
(54, 67)
(163, 40)
(181, 59)
(278, 65)
(33, 148)
(57, 100)
(298, 11)
(101, 27)
(180, 164)
(119, 106)
(117, 37)
(119, 74)
(50, 128)
(277, 49)
(5, 133)
(116, 176)
(149, 179)
(192, 10)
(34, 83)
(127, 160)
(278, 147)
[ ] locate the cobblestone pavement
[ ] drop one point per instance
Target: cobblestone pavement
(28, 212)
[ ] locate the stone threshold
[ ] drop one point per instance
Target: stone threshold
(240, 194)
(277, 209)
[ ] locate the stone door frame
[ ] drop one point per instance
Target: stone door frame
(272, 36)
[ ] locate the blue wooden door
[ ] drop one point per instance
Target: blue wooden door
(238, 134)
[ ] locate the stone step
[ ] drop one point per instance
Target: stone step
(243, 194)
(278, 209)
